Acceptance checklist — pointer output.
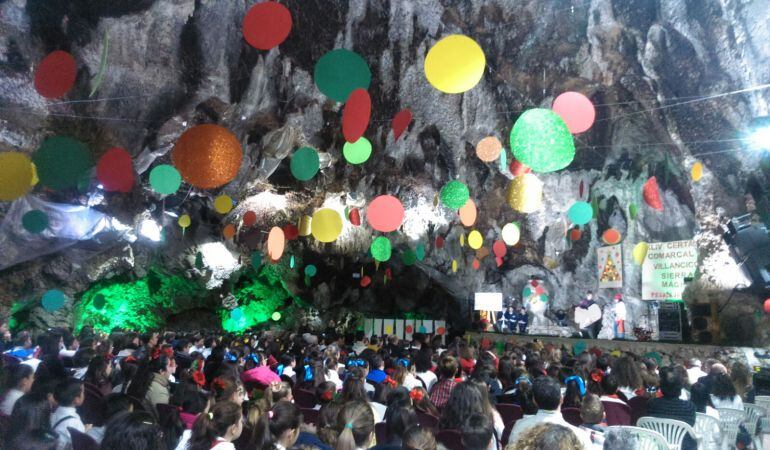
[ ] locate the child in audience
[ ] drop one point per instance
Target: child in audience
(19, 382)
(216, 429)
(69, 396)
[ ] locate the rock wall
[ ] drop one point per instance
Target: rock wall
(646, 64)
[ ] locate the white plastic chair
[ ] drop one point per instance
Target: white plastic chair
(708, 428)
(646, 439)
(763, 401)
(730, 420)
(754, 414)
(672, 430)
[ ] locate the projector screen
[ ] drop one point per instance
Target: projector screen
(488, 301)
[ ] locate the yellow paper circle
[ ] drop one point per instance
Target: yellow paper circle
(511, 233)
(468, 213)
(304, 225)
(697, 171)
(525, 193)
(455, 64)
(184, 221)
(462, 240)
(454, 266)
(475, 240)
(35, 180)
(640, 253)
(327, 225)
(223, 204)
(15, 175)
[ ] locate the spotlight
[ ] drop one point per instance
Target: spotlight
(150, 229)
(759, 133)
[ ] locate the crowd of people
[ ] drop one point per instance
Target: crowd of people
(201, 391)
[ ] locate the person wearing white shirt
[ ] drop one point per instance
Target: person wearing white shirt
(723, 394)
(547, 393)
(20, 379)
(695, 372)
(69, 395)
(423, 364)
(620, 317)
(218, 427)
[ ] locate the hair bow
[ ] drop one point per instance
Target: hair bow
(522, 378)
(581, 384)
(279, 369)
(218, 383)
(416, 395)
(597, 375)
(308, 373)
(327, 396)
(155, 353)
(390, 382)
(403, 362)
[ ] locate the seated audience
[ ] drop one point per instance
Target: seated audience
(69, 396)
(548, 436)
(670, 406)
(18, 383)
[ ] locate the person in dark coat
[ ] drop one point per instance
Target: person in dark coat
(670, 406)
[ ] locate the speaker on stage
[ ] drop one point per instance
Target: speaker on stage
(750, 246)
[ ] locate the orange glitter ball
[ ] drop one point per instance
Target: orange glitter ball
(228, 231)
(207, 156)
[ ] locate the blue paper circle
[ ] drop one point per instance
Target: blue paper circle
(580, 213)
(53, 300)
(310, 270)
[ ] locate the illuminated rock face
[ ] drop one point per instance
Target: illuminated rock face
(172, 64)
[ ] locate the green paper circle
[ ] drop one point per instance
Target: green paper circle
(544, 297)
(256, 261)
(454, 194)
(420, 251)
(304, 163)
(34, 221)
(53, 300)
(357, 152)
(580, 213)
(340, 72)
(380, 249)
(527, 292)
(408, 257)
(310, 270)
(423, 329)
(541, 141)
(633, 211)
(99, 301)
(62, 162)
(165, 179)
(276, 316)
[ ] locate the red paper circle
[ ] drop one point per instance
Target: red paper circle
(518, 169)
(499, 249)
(114, 171)
(533, 283)
(266, 25)
(611, 236)
(576, 110)
(440, 242)
(290, 231)
(539, 290)
(356, 115)
(440, 331)
(767, 306)
(400, 122)
(366, 281)
(476, 264)
(249, 219)
(409, 328)
(385, 213)
(499, 261)
(355, 217)
(56, 74)
(651, 194)
(575, 234)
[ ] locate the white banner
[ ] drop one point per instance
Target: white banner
(610, 267)
(666, 266)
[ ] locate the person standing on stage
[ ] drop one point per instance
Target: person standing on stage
(620, 317)
(588, 316)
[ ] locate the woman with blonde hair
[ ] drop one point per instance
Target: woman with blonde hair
(547, 436)
(418, 438)
(356, 421)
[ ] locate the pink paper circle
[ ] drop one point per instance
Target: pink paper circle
(385, 213)
(576, 110)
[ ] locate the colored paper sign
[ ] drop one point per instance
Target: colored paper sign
(665, 267)
(610, 266)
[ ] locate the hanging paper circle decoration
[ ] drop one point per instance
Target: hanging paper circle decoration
(611, 236)
(165, 179)
(228, 232)
(385, 213)
(305, 225)
(256, 260)
(408, 257)
(339, 72)
(275, 243)
(326, 225)
(15, 175)
(541, 141)
(697, 171)
(511, 233)
(766, 306)
(419, 251)
(276, 316)
(499, 249)
(488, 149)
(310, 270)
(441, 331)
(455, 64)
(517, 168)
(468, 213)
(454, 194)
(525, 193)
(475, 240)
(576, 110)
(290, 231)
(575, 234)
(184, 221)
(249, 219)
(34, 221)
(633, 211)
(354, 217)
(400, 122)
(304, 163)
(640, 253)
(99, 301)
(236, 314)
(357, 152)
(356, 115)
(440, 242)
(62, 162)
(366, 281)
(476, 264)
(223, 204)
(53, 300)
(115, 171)
(651, 194)
(266, 25)
(380, 249)
(56, 74)
(208, 156)
(580, 213)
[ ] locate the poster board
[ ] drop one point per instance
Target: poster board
(665, 267)
(488, 301)
(610, 266)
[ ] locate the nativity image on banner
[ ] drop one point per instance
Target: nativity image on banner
(610, 266)
(665, 268)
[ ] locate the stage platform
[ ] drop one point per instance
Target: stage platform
(677, 351)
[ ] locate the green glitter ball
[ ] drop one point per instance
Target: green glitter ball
(454, 195)
(541, 140)
(380, 249)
